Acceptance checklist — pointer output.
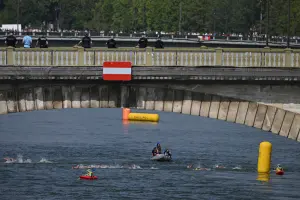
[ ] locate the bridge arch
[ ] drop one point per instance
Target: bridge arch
(29, 97)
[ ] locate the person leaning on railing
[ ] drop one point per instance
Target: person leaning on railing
(27, 41)
(143, 42)
(11, 40)
(86, 41)
(42, 42)
(159, 44)
(111, 43)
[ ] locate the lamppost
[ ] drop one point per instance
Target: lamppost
(214, 34)
(261, 17)
(289, 24)
(18, 13)
(267, 28)
(57, 12)
(180, 15)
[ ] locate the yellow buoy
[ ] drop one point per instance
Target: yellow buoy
(265, 177)
(143, 117)
(264, 157)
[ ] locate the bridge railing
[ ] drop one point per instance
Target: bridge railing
(151, 57)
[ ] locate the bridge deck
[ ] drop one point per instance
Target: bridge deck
(153, 73)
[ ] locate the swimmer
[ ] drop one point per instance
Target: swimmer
(219, 167)
(189, 166)
(10, 159)
(201, 169)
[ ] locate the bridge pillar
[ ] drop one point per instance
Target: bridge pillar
(29, 102)
(159, 100)
(94, 97)
(260, 116)
(103, 94)
(22, 100)
(278, 120)
(39, 98)
(224, 107)
(219, 54)
(10, 56)
(124, 96)
(288, 57)
(150, 99)
(242, 112)
(114, 93)
(3, 105)
(66, 93)
(141, 101)
(196, 103)
(168, 101)
(57, 97)
(12, 102)
(80, 56)
(85, 97)
(205, 105)
(149, 55)
(187, 103)
(76, 96)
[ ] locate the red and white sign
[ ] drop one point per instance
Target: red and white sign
(117, 71)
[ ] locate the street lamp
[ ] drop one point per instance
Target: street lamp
(261, 17)
(214, 23)
(267, 28)
(57, 11)
(180, 16)
(18, 13)
(289, 23)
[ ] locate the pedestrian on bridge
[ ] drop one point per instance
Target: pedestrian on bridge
(143, 42)
(159, 44)
(86, 41)
(11, 40)
(111, 43)
(27, 41)
(42, 42)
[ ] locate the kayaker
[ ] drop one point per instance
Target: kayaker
(89, 173)
(167, 153)
(279, 168)
(158, 148)
(154, 151)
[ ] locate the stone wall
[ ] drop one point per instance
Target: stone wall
(22, 98)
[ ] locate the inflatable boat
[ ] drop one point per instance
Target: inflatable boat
(161, 157)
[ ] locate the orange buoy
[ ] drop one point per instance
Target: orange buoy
(126, 112)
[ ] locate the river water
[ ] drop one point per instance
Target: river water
(47, 144)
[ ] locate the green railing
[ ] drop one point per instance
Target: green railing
(151, 57)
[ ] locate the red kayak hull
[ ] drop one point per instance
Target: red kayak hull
(89, 177)
(279, 172)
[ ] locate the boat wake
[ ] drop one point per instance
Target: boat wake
(133, 166)
(199, 167)
(21, 159)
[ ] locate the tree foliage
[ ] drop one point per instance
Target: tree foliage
(206, 16)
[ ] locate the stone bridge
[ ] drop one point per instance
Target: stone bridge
(267, 105)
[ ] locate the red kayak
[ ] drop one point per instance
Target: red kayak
(89, 177)
(281, 172)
